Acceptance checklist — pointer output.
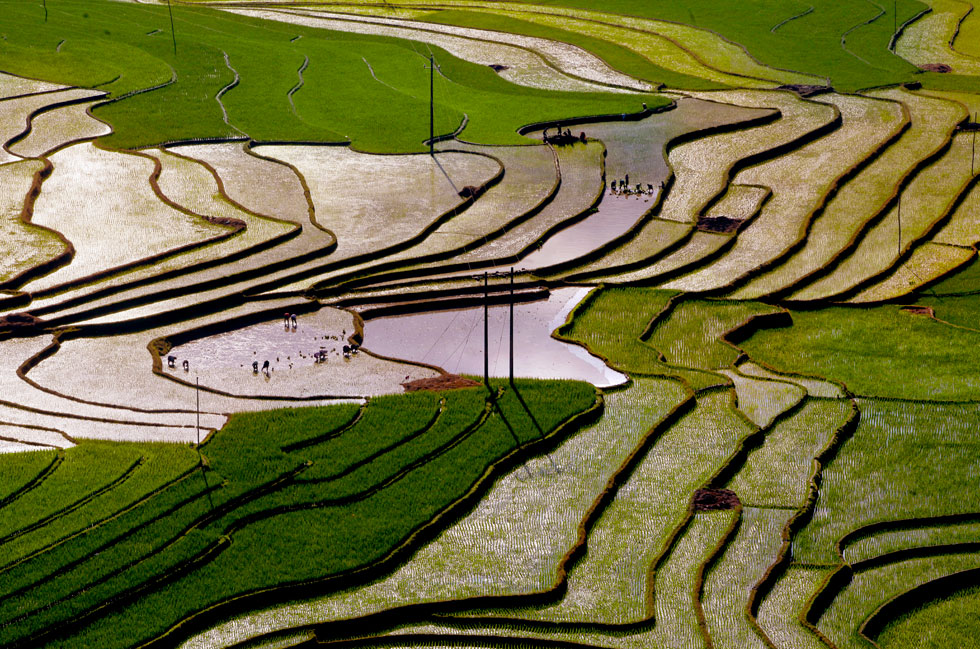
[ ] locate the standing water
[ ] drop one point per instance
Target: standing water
(635, 154)
(453, 340)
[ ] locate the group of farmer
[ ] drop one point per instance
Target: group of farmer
(622, 187)
(289, 324)
(562, 137)
(172, 363)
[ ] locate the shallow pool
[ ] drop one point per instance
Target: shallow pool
(453, 340)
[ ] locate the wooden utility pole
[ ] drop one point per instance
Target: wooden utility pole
(198, 393)
(432, 85)
(173, 36)
(512, 325)
(486, 334)
(432, 80)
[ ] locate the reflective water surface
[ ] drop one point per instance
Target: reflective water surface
(453, 340)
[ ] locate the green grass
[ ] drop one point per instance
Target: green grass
(469, 559)
(355, 534)
(161, 463)
(18, 470)
(360, 517)
(608, 328)
(689, 335)
(611, 323)
(948, 622)
(86, 469)
(106, 40)
(905, 460)
(959, 310)
(338, 478)
(250, 446)
(386, 422)
(811, 44)
(616, 55)
(869, 350)
(777, 473)
(99, 552)
(871, 589)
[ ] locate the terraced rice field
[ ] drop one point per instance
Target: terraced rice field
(491, 324)
(79, 205)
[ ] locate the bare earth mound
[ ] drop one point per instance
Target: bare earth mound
(719, 224)
(712, 499)
(919, 310)
(439, 383)
(19, 321)
(805, 90)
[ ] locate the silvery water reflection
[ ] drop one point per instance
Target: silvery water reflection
(453, 340)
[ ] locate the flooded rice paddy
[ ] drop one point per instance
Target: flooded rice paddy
(616, 215)
(635, 172)
(225, 361)
(453, 340)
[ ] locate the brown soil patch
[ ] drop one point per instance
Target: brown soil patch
(713, 499)
(20, 321)
(226, 221)
(935, 67)
(804, 89)
(160, 347)
(440, 383)
(920, 310)
(496, 67)
(719, 224)
(970, 126)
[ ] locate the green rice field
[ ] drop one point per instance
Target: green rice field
(483, 323)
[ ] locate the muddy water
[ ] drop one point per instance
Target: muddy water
(453, 340)
(224, 361)
(637, 148)
(617, 214)
(283, 346)
(634, 151)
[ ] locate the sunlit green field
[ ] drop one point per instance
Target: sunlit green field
(727, 251)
